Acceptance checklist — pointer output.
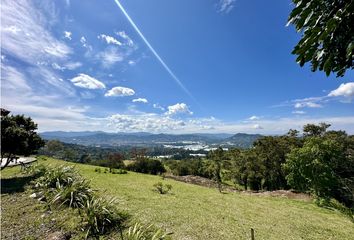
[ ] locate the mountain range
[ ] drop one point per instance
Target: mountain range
(98, 138)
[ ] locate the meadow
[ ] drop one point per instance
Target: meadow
(196, 212)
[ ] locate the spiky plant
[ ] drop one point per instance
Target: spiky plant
(141, 232)
(101, 216)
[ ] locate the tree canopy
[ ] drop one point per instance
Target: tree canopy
(327, 34)
(18, 137)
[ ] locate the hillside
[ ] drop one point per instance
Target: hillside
(195, 212)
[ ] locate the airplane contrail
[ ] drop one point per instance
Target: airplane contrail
(153, 50)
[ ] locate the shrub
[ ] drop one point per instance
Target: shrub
(73, 194)
(98, 170)
(63, 186)
(63, 175)
(140, 232)
(36, 170)
(118, 171)
(101, 217)
(161, 188)
(151, 166)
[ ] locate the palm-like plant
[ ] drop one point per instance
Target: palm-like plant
(141, 232)
(101, 216)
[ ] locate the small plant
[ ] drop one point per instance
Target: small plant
(141, 232)
(118, 171)
(101, 217)
(98, 170)
(72, 195)
(36, 170)
(63, 186)
(161, 188)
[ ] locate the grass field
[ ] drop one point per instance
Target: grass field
(195, 212)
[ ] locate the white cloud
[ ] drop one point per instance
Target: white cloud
(109, 39)
(178, 108)
(57, 67)
(253, 118)
(344, 90)
(67, 35)
(128, 40)
(307, 104)
(85, 45)
(157, 106)
(120, 92)
(141, 100)
(85, 81)
(13, 81)
(145, 122)
(298, 112)
(24, 33)
(73, 65)
(257, 126)
(225, 6)
(110, 56)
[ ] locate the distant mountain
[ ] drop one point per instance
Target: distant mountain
(88, 138)
(242, 140)
(63, 134)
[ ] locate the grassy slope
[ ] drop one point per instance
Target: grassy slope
(194, 212)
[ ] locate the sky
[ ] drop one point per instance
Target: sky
(177, 66)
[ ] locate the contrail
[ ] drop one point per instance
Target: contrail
(153, 50)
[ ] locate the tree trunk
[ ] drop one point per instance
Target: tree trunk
(8, 160)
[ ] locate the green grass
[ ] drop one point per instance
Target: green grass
(195, 212)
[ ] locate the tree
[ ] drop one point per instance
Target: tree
(18, 137)
(327, 34)
(311, 130)
(217, 156)
(323, 167)
(115, 160)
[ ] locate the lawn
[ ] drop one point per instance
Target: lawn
(195, 212)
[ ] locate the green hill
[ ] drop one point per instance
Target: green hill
(195, 212)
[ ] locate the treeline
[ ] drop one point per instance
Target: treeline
(318, 161)
(111, 158)
(91, 154)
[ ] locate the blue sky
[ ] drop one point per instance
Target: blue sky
(173, 66)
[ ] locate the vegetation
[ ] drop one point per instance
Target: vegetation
(62, 185)
(101, 216)
(18, 137)
(141, 232)
(146, 165)
(161, 188)
(214, 216)
(327, 34)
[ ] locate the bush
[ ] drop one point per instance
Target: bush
(118, 171)
(73, 194)
(161, 188)
(101, 217)
(36, 170)
(63, 186)
(98, 170)
(145, 165)
(334, 204)
(140, 232)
